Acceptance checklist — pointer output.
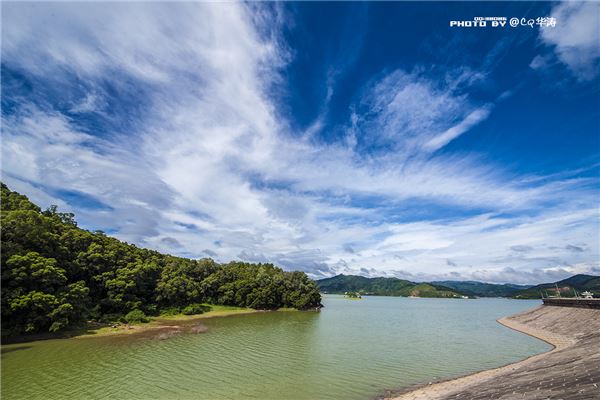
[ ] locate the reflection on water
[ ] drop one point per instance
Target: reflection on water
(350, 350)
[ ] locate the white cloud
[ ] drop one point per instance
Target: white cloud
(408, 109)
(209, 167)
(463, 126)
(45, 149)
(576, 37)
(92, 102)
(540, 62)
(419, 115)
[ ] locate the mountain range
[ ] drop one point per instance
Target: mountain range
(482, 289)
(384, 287)
(398, 287)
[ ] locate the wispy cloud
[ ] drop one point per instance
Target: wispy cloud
(201, 162)
(412, 113)
(44, 150)
(455, 131)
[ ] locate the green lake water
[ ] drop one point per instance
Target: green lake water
(349, 350)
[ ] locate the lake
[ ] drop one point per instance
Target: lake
(352, 349)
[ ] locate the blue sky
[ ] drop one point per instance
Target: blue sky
(366, 138)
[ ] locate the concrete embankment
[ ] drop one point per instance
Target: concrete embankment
(571, 371)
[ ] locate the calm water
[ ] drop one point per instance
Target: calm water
(350, 350)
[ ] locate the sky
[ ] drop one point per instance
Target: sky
(355, 138)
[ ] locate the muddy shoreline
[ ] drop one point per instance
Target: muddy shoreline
(160, 328)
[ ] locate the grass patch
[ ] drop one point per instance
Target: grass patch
(214, 311)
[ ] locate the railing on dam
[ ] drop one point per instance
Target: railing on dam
(581, 303)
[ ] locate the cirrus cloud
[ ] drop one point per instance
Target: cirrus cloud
(167, 133)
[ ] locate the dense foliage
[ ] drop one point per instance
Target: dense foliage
(383, 287)
(580, 283)
(482, 289)
(56, 275)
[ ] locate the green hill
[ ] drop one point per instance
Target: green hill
(57, 276)
(399, 287)
(579, 282)
(481, 289)
(384, 287)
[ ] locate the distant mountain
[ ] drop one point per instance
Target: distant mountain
(579, 282)
(481, 289)
(399, 287)
(384, 287)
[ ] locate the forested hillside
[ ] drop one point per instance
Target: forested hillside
(579, 283)
(383, 287)
(482, 289)
(56, 275)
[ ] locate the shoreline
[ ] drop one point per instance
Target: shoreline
(456, 387)
(168, 324)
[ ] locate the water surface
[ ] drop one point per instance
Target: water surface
(349, 350)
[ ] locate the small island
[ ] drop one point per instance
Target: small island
(353, 295)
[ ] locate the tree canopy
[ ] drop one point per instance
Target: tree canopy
(384, 287)
(56, 275)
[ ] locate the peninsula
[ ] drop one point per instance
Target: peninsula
(57, 277)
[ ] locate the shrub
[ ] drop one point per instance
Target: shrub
(195, 309)
(170, 311)
(151, 309)
(135, 316)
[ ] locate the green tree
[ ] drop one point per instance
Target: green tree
(32, 271)
(180, 281)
